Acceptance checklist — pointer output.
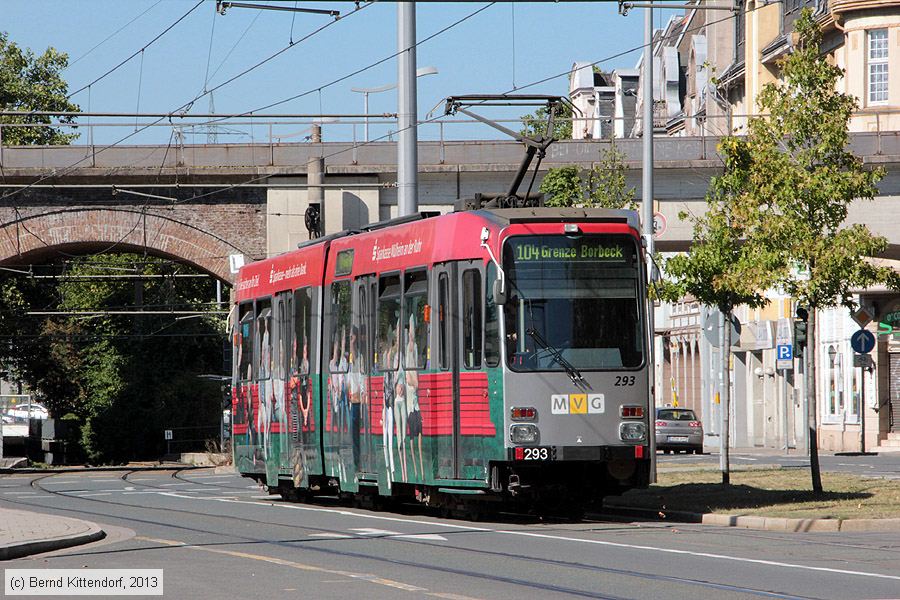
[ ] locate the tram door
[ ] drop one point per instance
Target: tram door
(364, 293)
(446, 391)
(282, 343)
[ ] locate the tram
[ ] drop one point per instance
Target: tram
(493, 354)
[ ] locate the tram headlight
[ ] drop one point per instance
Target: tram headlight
(632, 431)
(524, 434)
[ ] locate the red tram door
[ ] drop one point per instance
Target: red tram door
(445, 394)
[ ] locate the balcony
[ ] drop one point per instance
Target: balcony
(840, 7)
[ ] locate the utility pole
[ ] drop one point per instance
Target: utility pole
(407, 112)
(315, 193)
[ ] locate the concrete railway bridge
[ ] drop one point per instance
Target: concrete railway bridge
(200, 204)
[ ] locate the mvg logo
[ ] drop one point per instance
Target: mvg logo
(576, 404)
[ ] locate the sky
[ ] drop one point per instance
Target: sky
(484, 48)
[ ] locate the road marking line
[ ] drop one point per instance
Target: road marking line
(92, 495)
(294, 565)
(433, 537)
(370, 531)
(757, 561)
(331, 535)
(561, 538)
(341, 512)
(160, 492)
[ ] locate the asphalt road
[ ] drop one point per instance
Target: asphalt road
(218, 536)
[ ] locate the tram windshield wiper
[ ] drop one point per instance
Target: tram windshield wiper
(573, 373)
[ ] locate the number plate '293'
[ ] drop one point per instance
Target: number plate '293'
(543, 453)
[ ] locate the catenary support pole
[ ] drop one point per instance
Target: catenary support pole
(314, 169)
(407, 147)
(647, 216)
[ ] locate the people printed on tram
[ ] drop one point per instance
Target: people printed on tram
(279, 392)
(355, 390)
(265, 390)
(336, 391)
(400, 408)
(414, 418)
(242, 407)
(387, 411)
(305, 400)
(299, 402)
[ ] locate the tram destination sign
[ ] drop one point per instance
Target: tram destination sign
(580, 251)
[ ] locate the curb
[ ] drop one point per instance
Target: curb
(11, 551)
(781, 524)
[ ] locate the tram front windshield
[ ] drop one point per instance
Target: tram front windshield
(573, 302)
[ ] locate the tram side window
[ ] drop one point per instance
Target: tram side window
(388, 324)
(263, 339)
(300, 352)
(415, 320)
(491, 321)
(472, 299)
(443, 321)
(340, 326)
(245, 350)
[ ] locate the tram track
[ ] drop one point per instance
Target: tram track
(305, 544)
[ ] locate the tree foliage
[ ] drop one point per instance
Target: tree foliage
(723, 270)
(782, 203)
(806, 177)
(126, 377)
(601, 186)
(31, 82)
(804, 173)
(535, 124)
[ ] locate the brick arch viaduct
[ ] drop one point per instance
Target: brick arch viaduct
(43, 236)
(193, 205)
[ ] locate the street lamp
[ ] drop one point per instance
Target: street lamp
(383, 88)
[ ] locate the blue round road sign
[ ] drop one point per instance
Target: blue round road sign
(862, 341)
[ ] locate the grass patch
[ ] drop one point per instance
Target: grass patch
(770, 493)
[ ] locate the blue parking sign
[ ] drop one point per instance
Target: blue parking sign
(785, 352)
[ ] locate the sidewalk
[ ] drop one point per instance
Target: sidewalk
(23, 533)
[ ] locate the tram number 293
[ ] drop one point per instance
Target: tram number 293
(544, 453)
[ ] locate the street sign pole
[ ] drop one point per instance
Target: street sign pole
(862, 342)
(861, 411)
(784, 362)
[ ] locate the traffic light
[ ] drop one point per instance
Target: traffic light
(800, 330)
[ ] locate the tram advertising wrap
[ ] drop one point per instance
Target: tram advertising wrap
(480, 355)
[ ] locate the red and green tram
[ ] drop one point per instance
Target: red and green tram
(494, 353)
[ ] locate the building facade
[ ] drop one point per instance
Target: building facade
(723, 62)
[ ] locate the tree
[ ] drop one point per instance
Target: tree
(603, 186)
(126, 377)
(723, 269)
(805, 176)
(29, 82)
(535, 124)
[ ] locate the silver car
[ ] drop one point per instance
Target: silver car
(678, 429)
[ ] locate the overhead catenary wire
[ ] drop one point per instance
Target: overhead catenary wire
(187, 105)
(381, 138)
(144, 47)
(113, 34)
(522, 87)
